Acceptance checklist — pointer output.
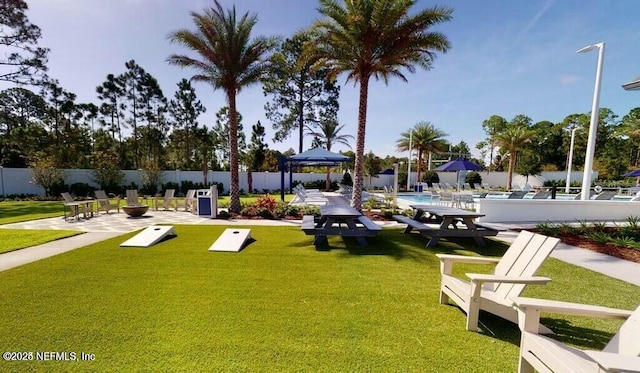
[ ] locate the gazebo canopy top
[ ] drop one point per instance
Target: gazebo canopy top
(318, 155)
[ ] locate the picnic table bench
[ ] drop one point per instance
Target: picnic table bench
(451, 222)
(339, 220)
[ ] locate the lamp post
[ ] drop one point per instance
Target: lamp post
(409, 161)
(573, 136)
(395, 184)
(593, 125)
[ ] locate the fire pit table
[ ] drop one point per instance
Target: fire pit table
(135, 211)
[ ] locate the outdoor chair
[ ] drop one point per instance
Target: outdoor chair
(190, 201)
(167, 201)
(132, 197)
(75, 207)
(493, 292)
(542, 195)
(605, 196)
(103, 202)
(544, 354)
(303, 198)
(518, 194)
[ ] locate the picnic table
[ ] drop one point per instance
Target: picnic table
(452, 222)
(339, 220)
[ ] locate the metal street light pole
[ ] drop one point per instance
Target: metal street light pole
(593, 125)
(409, 161)
(395, 184)
(570, 162)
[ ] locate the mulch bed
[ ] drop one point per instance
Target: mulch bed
(621, 252)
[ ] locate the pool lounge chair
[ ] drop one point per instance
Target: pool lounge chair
(605, 195)
(544, 354)
(542, 195)
(493, 292)
(518, 194)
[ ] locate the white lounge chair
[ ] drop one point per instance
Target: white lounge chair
(544, 354)
(493, 292)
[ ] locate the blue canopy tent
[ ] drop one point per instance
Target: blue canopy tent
(315, 157)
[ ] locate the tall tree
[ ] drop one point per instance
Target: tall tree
(630, 126)
(492, 126)
(374, 38)
(184, 109)
(222, 136)
(326, 135)
(256, 152)
(111, 110)
(22, 133)
(229, 60)
(299, 94)
(424, 138)
(21, 61)
(512, 139)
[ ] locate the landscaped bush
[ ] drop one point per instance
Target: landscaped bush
(474, 179)
(171, 185)
(346, 179)
(185, 185)
(81, 190)
(430, 177)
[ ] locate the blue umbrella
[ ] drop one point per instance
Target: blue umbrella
(460, 164)
(634, 173)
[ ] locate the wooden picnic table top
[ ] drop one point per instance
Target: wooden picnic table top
(446, 211)
(340, 210)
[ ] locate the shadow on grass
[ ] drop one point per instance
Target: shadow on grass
(584, 338)
(565, 332)
(396, 244)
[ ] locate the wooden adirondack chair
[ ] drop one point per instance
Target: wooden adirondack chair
(104, 203)
(167, 201)
(190, 201)
(493, 292)
(621, 354)
(132, 197)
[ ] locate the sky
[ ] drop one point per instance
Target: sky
(506, 58)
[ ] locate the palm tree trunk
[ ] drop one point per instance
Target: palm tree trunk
(512, 164)
(234, 205)
(356, 198)
(419, 166)
(328, 182)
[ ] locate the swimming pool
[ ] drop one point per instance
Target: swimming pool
(426, 198)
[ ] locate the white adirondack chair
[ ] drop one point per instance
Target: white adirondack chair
(621, 354)
(167, 201)
(493, 292)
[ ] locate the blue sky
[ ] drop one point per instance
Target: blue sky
(506, 58)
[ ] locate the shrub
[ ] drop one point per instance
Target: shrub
(81, 189)
(170, 185)
(346, 179)
(473, 178)
(430, 177)
(266, 202)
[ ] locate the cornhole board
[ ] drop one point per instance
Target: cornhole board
(231, 240)
(150, 236)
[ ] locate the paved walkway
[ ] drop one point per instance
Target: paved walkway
(104, 226)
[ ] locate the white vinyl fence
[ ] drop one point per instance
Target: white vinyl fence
(19, 180)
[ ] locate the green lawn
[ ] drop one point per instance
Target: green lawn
(279, 305)
(15, 239)
(17, 211)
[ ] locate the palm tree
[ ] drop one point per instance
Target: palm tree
(511, 139)
(327, 135)
(424, 137)
(228, 59)
(376, 38)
